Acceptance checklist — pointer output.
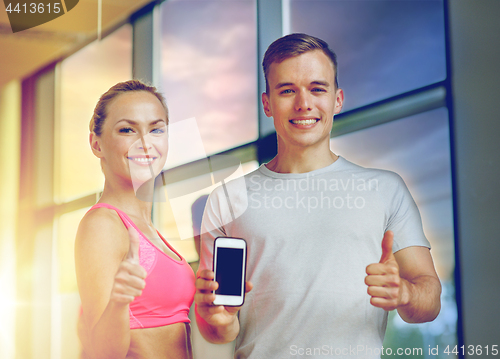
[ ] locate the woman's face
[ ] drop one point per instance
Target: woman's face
(134, 143)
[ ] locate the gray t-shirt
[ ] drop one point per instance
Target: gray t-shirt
(310, 237)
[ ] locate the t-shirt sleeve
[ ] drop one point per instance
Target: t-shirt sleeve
(226, 203)
(211, 228)
(404, 218)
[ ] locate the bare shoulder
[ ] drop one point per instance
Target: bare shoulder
(101, 232)
(100, 246)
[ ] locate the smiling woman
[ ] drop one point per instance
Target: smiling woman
(136, 132)
(117, 249)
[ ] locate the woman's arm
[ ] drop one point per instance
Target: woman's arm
(109, 278)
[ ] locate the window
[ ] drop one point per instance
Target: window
(84, 77)
(67, 297)
(210, 67)
(10, 108)
(209, 70)
(174, 217)
(384, 47)
(418, 149)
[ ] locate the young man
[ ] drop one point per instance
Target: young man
(332, 246)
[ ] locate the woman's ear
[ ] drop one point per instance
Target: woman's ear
(95, 144)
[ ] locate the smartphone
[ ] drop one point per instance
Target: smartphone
(230, 262)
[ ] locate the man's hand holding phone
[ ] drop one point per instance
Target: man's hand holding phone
(222, 319)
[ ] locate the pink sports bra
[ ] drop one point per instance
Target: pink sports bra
(169, 290)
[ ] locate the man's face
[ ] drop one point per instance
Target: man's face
(302, 99)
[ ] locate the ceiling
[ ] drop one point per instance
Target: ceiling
(23, 53)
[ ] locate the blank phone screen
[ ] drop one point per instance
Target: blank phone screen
(229, 271)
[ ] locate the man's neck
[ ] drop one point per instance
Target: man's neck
(301, 160)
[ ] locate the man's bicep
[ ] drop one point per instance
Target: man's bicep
(404, 219)
(415, 261)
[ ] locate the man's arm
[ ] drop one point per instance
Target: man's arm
(406, 281)
(217, 324)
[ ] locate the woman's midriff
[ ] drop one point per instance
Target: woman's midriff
(171, 341)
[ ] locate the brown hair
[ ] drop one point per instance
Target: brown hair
(100, 111)
(294, 45)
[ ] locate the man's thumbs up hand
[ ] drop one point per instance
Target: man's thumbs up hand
(383, 279)
(387, 254)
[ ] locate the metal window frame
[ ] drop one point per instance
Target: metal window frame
(270, 26)
(146, 65)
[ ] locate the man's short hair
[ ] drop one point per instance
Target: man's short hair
(294, 45)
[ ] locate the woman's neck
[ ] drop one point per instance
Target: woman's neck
(137, 203)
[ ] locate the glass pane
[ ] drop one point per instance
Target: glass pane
(67, 296)
(384, 47)
(418, 149)
(66, 234)
(10, 122)
(209, 70)
(174, 217)
(85, 76)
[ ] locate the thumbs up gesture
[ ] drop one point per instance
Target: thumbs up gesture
(130, 278)
(383, 279)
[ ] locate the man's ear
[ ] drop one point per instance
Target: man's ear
(339, 101)
(95, 144)
(266, 105)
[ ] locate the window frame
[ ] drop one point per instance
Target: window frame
(271, 24)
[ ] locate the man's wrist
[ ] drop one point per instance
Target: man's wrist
(230, 332)
(406, 293)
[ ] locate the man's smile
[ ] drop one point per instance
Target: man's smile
(304, 121)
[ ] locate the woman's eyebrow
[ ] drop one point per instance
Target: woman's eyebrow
(127, 120)
(157, 121)
(132, 122)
